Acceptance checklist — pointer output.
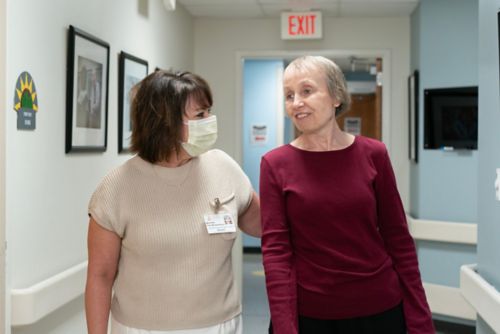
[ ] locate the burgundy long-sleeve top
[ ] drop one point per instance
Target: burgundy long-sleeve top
(335, 240)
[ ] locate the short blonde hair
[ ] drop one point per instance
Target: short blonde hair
(335, 80)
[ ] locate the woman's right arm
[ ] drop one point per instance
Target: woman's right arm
(277, 253)
(103, 254)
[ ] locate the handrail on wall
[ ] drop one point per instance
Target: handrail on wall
(483, 297)
(30, 304)
(443, 299)
(442, 231)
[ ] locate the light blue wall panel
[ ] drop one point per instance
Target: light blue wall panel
(444, 185)
(489, 141)
(448, 58)
(448, 185)
(440, 262)
(260, 105)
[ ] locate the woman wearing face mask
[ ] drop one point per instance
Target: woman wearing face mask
(157, 235)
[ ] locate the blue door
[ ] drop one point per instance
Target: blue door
(263, 125)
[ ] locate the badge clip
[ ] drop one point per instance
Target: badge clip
(217, 203)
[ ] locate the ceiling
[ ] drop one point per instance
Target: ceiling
(273, 8)
(230, 9)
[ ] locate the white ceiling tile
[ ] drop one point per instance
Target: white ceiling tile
(223, 11)
(273, 8)
(298, 2)
(274, 2)
(330, 10)
(374, 2)
(215, 2)
(381, 9)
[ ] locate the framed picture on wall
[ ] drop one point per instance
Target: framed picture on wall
(131, 70)
(413, 116)
(86, 92)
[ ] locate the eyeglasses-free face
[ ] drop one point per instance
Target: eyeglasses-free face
(195, 111)
(308, 102)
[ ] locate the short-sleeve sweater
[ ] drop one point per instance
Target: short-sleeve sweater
(335, 240)
(172, 274)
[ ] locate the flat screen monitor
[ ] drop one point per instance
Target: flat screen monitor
(450, 118)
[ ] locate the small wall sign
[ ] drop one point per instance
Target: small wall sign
(352, 125)
(25, 102)
(258, 134)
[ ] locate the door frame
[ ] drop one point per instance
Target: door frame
(384, 54)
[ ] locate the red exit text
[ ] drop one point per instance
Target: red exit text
(301, 24)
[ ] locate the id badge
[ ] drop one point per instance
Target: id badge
(222, 222)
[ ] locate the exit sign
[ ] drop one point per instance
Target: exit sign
(303, 25)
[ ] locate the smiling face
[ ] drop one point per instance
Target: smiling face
(308, 102)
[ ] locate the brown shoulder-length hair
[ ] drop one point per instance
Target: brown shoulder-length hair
(158, 103)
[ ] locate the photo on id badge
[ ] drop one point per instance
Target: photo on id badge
(221, 222)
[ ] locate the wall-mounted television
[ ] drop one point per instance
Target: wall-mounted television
(450, 118)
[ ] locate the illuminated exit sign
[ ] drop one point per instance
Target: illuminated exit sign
(304, 25)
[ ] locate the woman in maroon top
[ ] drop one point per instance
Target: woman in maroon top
(337, 252)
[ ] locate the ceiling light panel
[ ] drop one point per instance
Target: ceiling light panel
(328, 10)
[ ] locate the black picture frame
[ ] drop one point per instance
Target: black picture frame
(131, 70)
(413, 82)
(87, 81)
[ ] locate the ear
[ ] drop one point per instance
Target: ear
(336, 103)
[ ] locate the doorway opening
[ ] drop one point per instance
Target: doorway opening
(266, 126)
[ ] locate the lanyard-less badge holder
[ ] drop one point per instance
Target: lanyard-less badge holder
(220, 221)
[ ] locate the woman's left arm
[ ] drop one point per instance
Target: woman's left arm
(249, 221)
(401, 248)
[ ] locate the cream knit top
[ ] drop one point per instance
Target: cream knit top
(172, 274)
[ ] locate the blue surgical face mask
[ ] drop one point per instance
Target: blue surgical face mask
(202, 135)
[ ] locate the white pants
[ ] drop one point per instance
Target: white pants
(233, 326)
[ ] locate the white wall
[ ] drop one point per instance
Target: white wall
(47, 191)
(218, 41)
(2, 163)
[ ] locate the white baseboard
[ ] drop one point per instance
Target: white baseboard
(33, 303)
(483, 297)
